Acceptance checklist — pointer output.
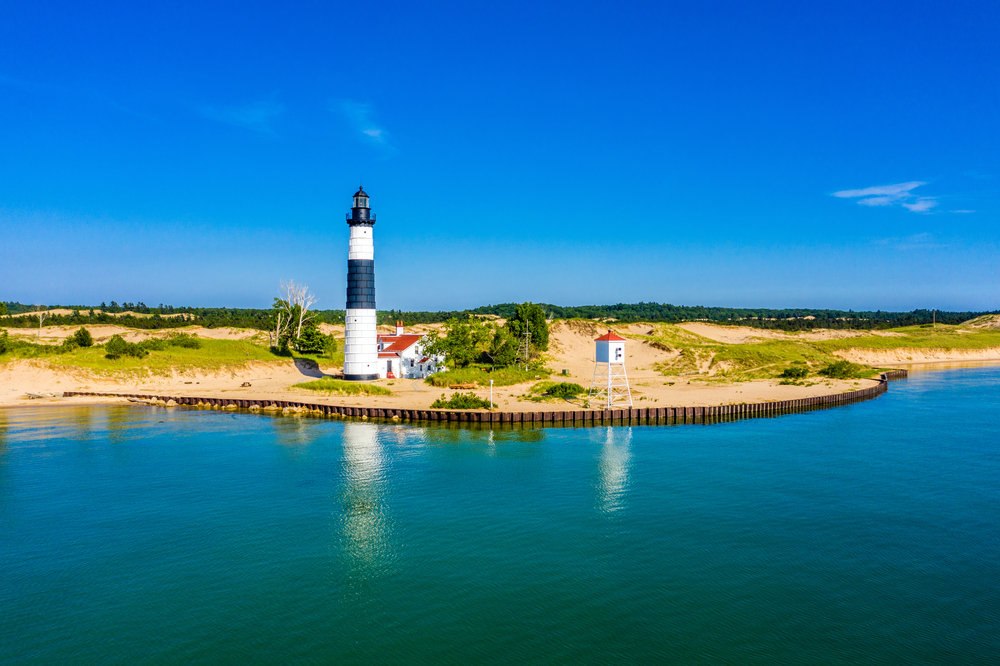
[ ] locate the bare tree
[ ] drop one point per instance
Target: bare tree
(42, 314)
(292, 306)
(298, 295)
(305, 302)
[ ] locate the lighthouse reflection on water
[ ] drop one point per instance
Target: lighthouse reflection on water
(365, 522)
(614, 466)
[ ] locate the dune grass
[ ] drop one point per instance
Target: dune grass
(211, 355)
(919, 337)
(331, 386)
(768, 358)
(500, 376)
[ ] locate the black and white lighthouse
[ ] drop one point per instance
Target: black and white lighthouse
(360, 335)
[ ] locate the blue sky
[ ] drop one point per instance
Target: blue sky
(840, 155)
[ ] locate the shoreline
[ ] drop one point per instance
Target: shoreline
(638, 416)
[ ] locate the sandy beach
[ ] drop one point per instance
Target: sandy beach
(570, 359)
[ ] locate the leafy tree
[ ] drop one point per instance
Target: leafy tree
(331, 346)
(3, 309)
(465, 342)
(530, 317)
(116, 347)
(311, 341)
(4, 342)
(502, 350)
(83, 338)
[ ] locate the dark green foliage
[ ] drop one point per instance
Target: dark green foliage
(789, 319)
(311, 341)
(465, 341)
(184, 340)
(282, 349)
(794, 373)
(331, 346)
(528, 316)
(502, 348)
(565, 390)
(461, 401)
(3, 311)
(844, 370)
(154, 344)
(4, 342)
(83, 338)
(117, 347)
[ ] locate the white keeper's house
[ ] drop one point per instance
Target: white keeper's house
(401, 356)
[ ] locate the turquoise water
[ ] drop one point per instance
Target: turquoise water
(866, 534)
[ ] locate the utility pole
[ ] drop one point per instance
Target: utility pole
(525, 350)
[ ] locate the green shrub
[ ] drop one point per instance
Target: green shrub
(116, 347)
(68, 345)
(184, 340)
(4, 342)
(563, 390)
(794, 373)
(83, 338)
(844, 370)
(154, 344)
(566, 390)
(461, 401)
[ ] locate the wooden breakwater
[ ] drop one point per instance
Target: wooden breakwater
(564, 417)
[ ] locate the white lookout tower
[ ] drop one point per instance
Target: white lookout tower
(610, 384)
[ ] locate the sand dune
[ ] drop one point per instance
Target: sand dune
(571, 349)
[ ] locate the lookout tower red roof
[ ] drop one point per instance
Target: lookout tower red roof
(610, 337)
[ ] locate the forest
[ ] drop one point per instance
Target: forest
(788, 319)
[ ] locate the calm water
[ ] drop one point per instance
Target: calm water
(864, 534)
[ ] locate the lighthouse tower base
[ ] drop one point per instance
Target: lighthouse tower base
(360, 346)
(609, 387)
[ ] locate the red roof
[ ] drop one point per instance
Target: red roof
(610, 337)
(398, 343)
(386, 354)
(425, 359)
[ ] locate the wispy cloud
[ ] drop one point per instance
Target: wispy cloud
(900, 194)
(882, 191)
(921, 205)
(256, 116)
(360, 115)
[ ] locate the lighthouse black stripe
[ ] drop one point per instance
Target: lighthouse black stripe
(361, 284)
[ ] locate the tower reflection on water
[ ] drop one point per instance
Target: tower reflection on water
(614, 465)
(365, 523)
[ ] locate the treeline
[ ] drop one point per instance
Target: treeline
(791, 319)
(788, 319)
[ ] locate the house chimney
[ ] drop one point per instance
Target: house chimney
(399, 328)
